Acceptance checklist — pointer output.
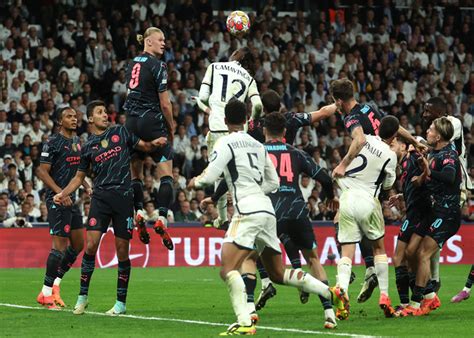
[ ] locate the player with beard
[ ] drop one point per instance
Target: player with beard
(442, 177)
(434, 108)
(418, 206)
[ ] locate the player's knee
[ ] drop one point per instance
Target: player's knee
(78, 246)
(92, 247)
(223, 273)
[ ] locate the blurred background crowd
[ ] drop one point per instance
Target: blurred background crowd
(58, 53)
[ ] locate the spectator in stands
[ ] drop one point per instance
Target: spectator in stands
(185, 214)
(43, 218)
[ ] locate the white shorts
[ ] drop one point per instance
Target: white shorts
(359, 215)
(211, 139)
(253, 232)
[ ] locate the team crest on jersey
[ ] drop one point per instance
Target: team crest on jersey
(213, 156)
(115, 138)
(92, 222)
(67, 228)
(104, 143)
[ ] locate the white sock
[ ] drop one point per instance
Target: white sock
(329, 313)
(238, 297)
(434, 266)
(344, 267)
(57, 281)
(381, 269)
(468, 290)
(430, 295)
(369, 271)
(265, 282)
(306, 282)
(47, 291)
(251, 307)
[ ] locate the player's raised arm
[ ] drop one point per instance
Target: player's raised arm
(405, 134)
(323, 113)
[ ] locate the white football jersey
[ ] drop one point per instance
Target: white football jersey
(222, 81)
(248, 171)
(373, 168)
(458, 141)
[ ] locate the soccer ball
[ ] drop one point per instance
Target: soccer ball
(238, 22)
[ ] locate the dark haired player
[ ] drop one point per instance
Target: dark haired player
(222, 82)
(107, 155)
(250, 175)
(442, 176)
(434, 108)
(360, 212)
(60, 158)
(290, 207)
(360, 120)
(149, 116)
(418, 207)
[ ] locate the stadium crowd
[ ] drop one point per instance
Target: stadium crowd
(62, 53)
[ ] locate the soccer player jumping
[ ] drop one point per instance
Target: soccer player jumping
(107, 154)
(149, 116)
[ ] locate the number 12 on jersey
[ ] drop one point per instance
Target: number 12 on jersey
(283, 168)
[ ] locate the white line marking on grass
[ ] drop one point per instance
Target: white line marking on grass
(199, 322)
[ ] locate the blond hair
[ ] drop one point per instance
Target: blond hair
(444, 127)
(141, 37)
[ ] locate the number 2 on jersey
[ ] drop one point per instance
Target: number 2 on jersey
(285, 168)
(225, 80)
(135, 78)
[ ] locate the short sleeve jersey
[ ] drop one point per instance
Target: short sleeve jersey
(108, 156)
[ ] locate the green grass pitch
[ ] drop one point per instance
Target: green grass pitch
(198, 294)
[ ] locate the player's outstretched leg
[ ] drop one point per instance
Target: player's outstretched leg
(318, 271)
(434, 267)
(370, 279)
(465, 293)
(137, 186)
(294, 255)
(301, 280)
